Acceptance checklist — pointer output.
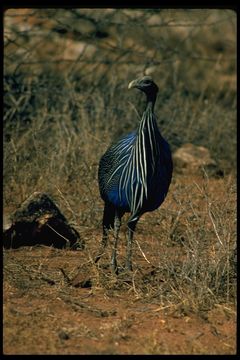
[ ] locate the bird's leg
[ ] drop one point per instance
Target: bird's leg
(131, 229)
(103, 244)
(117, 224)
(108, 219)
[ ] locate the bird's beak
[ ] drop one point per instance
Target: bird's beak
(133, 84)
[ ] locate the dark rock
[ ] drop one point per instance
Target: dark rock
(38, 221)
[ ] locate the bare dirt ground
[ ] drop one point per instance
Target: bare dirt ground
(59, 302)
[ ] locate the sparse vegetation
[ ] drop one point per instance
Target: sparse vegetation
(65, 100)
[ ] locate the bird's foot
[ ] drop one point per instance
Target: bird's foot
(114, 269)
(114, 266)
(128, 266)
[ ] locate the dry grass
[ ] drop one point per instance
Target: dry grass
(60, 117)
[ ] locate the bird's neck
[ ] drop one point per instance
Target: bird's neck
(150, 103)
(149, 111)
(146, 149)
(147, 118)
(148, 133)
(150, 106)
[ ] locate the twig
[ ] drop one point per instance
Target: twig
(67, 241)
(133, 283)
(142, 252)
(66, 202)
(66, 277)
(134, 108)
(214, 226)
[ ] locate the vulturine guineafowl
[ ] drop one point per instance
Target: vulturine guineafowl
(134, 174)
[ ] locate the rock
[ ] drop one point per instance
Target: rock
(194, 159)
(39, 221)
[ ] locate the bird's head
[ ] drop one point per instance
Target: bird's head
(145, 84)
